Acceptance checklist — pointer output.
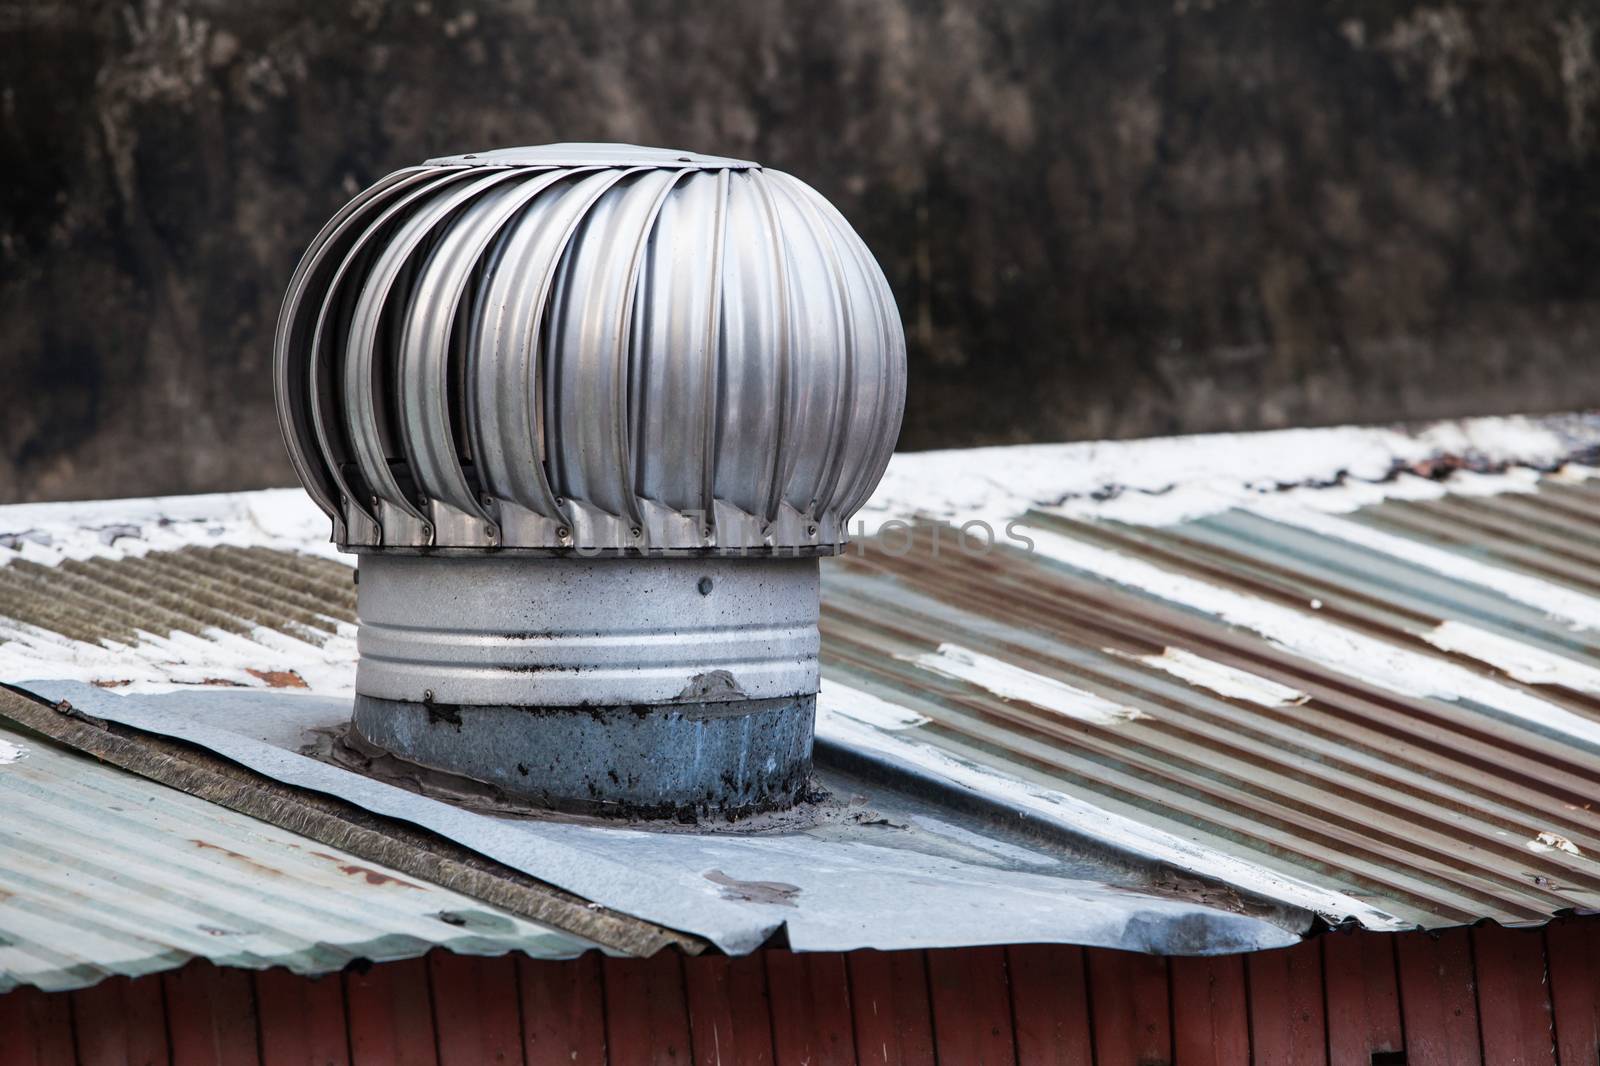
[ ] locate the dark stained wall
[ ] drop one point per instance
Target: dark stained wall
(1101, 217)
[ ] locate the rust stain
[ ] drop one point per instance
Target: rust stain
(243, 860)
(371, 876)
(111, 684)
(1421, 802)
(279, 678)
(192, 590)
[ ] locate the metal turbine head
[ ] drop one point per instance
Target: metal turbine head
(589, 414)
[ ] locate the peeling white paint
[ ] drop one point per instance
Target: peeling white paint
(1166, 480)
(48, 533)
(1517, 438)
(1576, 473)
(10, 753)
(281, 519)
(1078, 816)
(1191, 501)
(1514, 658)
(1220, 678)
(1313, 637)
(1548, 841)
(1011, 682)
(838, 698)
(180, 660)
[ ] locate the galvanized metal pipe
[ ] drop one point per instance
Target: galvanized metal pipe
(663, 685)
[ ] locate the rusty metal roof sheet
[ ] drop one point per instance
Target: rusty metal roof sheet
(102, 872)
(1350, 671)
(1416, 742)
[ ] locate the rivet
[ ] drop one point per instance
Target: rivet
(704, 586)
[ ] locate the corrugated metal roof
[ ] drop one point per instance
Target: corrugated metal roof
(1439, 810)
(874, 862)
(1351, 671)
(103, 872)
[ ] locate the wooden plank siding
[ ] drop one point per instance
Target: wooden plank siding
(1439, 1010)
(1465, 997)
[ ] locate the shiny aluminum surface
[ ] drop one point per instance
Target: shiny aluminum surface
(589, 346)
(592, 155)
(491, 629)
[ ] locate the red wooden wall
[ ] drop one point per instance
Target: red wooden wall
(1487, 997)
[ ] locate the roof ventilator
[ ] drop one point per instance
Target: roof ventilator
(589, 415)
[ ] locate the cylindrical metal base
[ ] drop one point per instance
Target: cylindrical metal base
(562, 632)
(662, 761)
(647, 686)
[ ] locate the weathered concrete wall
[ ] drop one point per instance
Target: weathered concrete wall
(1101, 217)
